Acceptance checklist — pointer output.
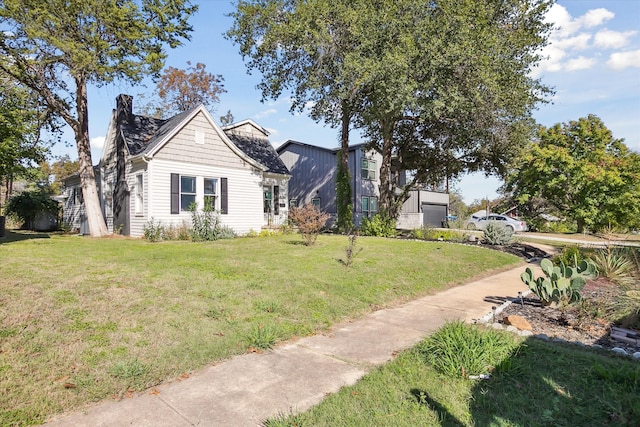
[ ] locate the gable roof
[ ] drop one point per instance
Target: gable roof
(142, 133)
(354, 147)
(244, 123)
(144, 136)
(261, 150)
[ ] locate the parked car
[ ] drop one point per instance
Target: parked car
(479, 223)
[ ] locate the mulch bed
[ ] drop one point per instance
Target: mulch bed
(584, 322)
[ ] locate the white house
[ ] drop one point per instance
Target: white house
(156, 169)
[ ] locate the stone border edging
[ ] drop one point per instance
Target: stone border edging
(486, 320)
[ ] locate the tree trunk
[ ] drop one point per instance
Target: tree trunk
(343, 181)
(93, 211)
(386, 187)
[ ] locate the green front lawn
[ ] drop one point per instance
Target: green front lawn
(535, 383)
(85, 319)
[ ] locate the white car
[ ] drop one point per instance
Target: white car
(479, 223)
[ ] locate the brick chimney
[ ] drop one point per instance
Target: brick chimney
(124, 108)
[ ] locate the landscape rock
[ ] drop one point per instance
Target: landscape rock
(518, 322)
(636, 355)
(619, 350)
(497, 326)
(526, 333)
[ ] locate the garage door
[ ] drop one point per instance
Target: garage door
(433, 214)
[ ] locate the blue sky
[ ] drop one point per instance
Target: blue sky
(593, 64)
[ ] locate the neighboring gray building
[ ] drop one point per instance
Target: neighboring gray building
(313, 180)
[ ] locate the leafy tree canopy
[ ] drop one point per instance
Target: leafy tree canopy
(583, 172)
(21, 148)
(441, 85)
(51, 174)
(181, 90)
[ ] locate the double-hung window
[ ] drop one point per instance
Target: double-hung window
(187, 192)
(139, 204)
(210, 192)
(369, 206)
(368, 168)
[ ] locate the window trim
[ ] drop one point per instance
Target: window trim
(368, 168)
(184, 193)
(139, 194)
(214, 194)
(369, 213)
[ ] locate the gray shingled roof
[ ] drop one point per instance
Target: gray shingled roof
(260, 150)
(142, 134)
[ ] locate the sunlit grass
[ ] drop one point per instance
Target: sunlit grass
(537, 383)
(86, 319)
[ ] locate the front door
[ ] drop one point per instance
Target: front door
(268, 204)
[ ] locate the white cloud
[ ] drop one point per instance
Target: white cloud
(579, 63)
(571, 34)
(622, 60)
(272, 131)
(612, 39)
(596, 17)
(265, 113)
(97, 143)
(579, 42)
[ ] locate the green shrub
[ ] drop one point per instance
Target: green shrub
(26, 206)
(570, 255)
(497, 234)
(153, 231)
(429, 233)
(206, 225)
(380, 226)
(561, 227)
(459, 350)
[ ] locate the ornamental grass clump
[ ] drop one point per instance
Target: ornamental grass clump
(460, 350)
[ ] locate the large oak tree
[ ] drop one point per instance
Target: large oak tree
(583, 172)
(57, 47)
(442, 86)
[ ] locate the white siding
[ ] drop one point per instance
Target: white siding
(214, 151)
(244, 194)
(137, 221)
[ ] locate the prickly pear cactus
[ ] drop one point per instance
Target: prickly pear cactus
(561, 284)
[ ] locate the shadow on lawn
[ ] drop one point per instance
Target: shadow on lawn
(17, 236)
(544, 383)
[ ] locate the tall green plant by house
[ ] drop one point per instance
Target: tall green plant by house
(343, 197)
(206, 224)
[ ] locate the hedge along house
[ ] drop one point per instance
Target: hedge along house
(314, 170)
(154, 169)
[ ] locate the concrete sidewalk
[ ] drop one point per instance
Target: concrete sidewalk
(247, 389)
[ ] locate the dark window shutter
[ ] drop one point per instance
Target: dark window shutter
(175, 193)
(224, 196)
(276, 200)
